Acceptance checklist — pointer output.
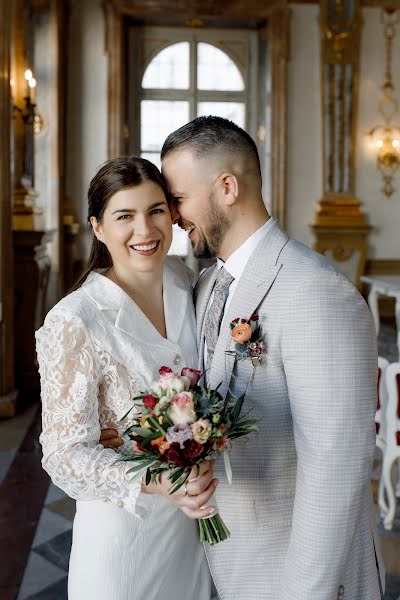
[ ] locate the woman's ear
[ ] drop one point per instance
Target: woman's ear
(230, 188)
(97, 229)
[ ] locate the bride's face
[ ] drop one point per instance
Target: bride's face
(136, 228)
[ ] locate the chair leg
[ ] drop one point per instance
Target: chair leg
(398, 480)
(383, 507)
(387, 481)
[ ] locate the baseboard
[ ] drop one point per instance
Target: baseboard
(8, 404)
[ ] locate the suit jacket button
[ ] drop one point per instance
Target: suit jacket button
(177, 359)
(340, 592)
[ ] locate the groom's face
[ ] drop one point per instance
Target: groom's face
(195, 203)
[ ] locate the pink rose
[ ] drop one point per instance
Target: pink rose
(181, 410)
(192, 375)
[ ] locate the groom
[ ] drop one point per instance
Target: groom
(299, 508)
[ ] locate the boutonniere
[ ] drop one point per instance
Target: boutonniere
(247, 333)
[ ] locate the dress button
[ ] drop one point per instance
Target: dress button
(120, 504)
(177, 359)
(340, 591)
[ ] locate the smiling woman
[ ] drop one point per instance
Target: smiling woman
(99, 347)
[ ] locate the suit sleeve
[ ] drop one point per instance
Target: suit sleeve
(330, 361)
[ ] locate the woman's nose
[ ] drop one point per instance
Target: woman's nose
(142, 224)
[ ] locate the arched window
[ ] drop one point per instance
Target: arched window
(204, 74)
(185, 73)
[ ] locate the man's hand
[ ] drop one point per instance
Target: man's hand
(192, 497)
(109, 438)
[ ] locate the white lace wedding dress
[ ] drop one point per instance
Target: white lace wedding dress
(96, 351)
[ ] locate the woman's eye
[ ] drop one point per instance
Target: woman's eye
(155, 211)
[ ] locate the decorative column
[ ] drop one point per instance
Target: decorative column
(27, 215)
(8, 393)
(340, 227)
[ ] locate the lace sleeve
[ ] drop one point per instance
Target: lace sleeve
(70, 376)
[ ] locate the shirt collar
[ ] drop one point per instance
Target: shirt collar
(237, 261)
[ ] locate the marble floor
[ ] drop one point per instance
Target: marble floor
(36, 517)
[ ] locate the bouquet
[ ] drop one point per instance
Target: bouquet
(179, 424)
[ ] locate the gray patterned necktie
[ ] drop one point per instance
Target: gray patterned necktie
(215, 312)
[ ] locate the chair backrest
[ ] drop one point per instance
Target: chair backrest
(381, 403)
(392, 377)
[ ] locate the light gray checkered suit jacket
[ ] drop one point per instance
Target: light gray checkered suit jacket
(300, 506)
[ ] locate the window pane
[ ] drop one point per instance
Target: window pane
(169, 69)
(153, 157)
(180, 242)
(234, 111)
(216, 71)
(159, 119)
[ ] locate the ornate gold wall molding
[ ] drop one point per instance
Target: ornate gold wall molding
(338, 221)
(278, 32)
(8, 394)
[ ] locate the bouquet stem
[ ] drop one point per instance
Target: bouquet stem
(213, 530)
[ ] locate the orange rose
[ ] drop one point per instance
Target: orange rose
(241, 333)
(161, 444)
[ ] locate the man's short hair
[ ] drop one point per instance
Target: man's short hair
(209, 135)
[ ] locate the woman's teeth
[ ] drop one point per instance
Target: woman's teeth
(145, 247)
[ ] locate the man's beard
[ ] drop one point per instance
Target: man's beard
(209, 244)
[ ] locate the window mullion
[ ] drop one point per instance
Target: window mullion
(193, 78)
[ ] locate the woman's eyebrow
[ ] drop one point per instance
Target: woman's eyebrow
(133, 210)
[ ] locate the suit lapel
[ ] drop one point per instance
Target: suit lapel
(255, 282)
(202, 295)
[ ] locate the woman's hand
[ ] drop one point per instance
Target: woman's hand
(109, 439)
(193, 496)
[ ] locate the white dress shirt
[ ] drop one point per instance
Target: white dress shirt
(236, 264)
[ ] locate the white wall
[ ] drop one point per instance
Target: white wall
(87, 104)
(384, 213)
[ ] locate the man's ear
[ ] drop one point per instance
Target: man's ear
(229, 187)
(97, 229)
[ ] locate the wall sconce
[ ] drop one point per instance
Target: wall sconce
(29, 113)
(386, 137)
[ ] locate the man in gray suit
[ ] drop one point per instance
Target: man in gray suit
(300, 508)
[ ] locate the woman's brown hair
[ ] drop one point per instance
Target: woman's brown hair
(113, 176)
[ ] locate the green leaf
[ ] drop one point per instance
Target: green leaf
(148, 476)
(237, 409)
(125, 415)
(175, 474)
(180, 481)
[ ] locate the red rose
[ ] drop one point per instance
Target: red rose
(192, 449)
(174, 455)
(149, 401)
(163, 370)
(191, 374)
(254, 317)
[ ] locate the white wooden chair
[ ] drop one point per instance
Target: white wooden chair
(380, 424)
(392, 447)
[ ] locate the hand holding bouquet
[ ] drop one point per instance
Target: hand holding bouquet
(179, 424)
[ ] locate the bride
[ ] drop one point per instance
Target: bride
(129, 314)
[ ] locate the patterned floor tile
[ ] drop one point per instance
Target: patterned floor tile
(50, 526)
(54, 494)
(65, 507)
(39, 575)
(57, 591)
(57, 550)
(392, 588)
